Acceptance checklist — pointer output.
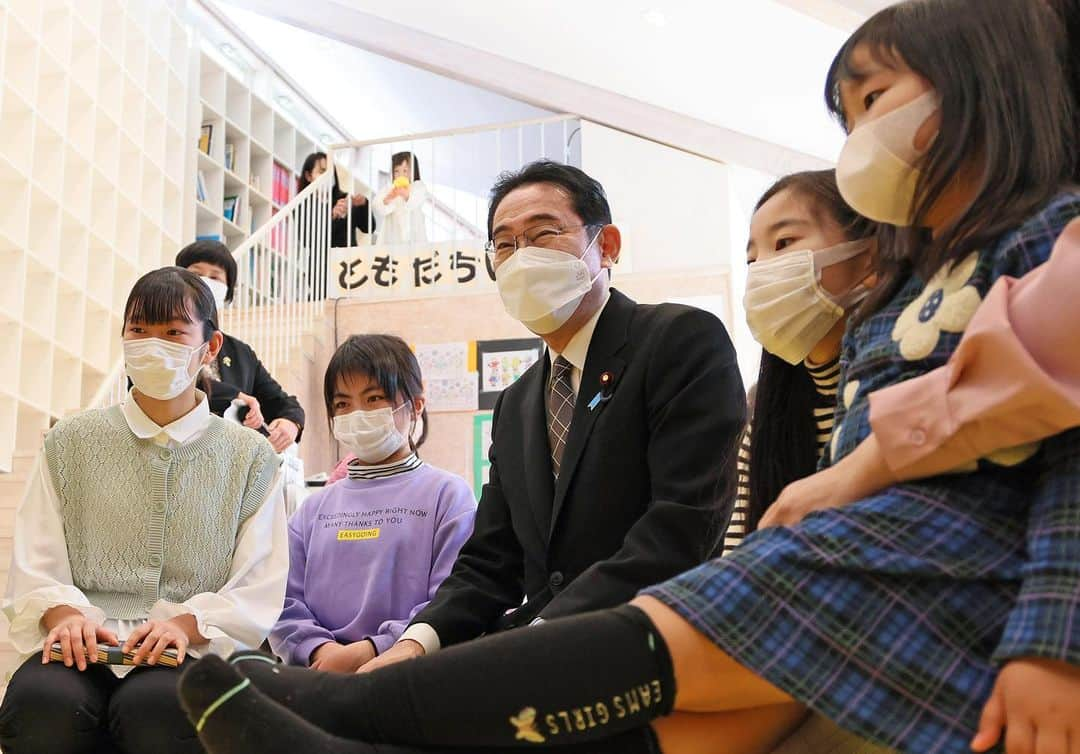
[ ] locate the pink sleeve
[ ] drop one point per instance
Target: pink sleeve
(341, 470)
(1014, 378)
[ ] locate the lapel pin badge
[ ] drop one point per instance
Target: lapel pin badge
(604, 395)
(227, 361)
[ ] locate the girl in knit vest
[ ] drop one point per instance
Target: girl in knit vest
(368, 553)
(148, 526)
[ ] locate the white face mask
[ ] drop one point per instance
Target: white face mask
(160, 368)
(876, 170)
(371, 436)
(218, 289)
(542, 288)
(787, 310)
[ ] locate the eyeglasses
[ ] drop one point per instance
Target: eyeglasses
(503, 246)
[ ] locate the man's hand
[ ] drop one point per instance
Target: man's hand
(1037, 703)
(77, 635)
(158, 635)
(283, 433)
(406, 649)
(332, 657)
(341, 208)
(858, 475)
(254, 418)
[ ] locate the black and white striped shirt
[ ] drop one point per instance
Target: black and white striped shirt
(826, 378)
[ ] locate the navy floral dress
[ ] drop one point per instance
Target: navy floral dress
(891, 616)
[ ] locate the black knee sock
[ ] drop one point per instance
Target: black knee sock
(576, 679)
(232, 716)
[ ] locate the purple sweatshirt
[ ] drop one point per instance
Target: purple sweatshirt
(366, 555)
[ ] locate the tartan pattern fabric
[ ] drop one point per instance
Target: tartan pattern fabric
(890, 616)
(560, 406)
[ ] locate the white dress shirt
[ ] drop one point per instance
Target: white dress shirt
(237, 616)
(575, 352)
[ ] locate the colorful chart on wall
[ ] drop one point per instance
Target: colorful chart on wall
(501, 362)
(481, 444)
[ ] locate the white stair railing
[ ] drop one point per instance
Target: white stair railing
(282, 268)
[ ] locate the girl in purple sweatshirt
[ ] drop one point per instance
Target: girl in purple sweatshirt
(367, 554)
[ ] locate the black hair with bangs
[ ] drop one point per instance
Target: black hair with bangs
(210, 252)
(171, 293)
(997, 66)
(386, 359)
(783, 428)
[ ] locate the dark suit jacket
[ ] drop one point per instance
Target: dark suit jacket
(647, 480)
(242, 372)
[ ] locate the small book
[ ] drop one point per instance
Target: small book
(110, 655)
(206, 134)
(230, 156)
(200, 186)
(229, 208)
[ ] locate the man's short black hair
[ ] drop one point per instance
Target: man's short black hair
(586, 193)
(210, 252)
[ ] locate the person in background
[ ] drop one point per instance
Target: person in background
(400, 205)
(315, 164)
(148, 525)
(236, 372)
(809, 255)
(368, 553)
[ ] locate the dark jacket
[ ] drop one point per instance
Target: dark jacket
(242, 372)
(647, 480)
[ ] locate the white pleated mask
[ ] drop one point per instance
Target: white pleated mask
(787, 309)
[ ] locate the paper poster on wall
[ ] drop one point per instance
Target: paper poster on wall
(451, 393)
(445, 360)
(481, 445)
(501, 362)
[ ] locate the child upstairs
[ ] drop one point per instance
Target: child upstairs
(368, 553)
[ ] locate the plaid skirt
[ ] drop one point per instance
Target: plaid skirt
(884, 645)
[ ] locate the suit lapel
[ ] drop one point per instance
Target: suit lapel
(537, 451)
(607, 340)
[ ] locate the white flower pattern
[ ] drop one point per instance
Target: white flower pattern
(946, 303)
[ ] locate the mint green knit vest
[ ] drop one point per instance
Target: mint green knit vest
(143, 522)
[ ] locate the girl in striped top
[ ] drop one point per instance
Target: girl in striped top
(792, 416)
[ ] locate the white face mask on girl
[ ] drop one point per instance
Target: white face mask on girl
(787, 310)
(218, 290)
(542, 288)
(372, 436)
(876, 169)
(160, 368)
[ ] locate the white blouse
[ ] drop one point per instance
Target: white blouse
(237, 616)
(401, 221)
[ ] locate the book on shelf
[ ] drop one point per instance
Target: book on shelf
(209, 237)
(282, 188)
(206, 135)
(200, 186)
(229, 208)
(230, 156)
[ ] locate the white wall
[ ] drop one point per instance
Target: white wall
(669, 205)
(372, 96)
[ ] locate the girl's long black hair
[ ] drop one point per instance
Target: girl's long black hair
(783, 429)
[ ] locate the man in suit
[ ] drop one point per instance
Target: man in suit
(612, 458)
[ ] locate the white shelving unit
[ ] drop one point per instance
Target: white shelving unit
(256, 134)
(95, 124)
